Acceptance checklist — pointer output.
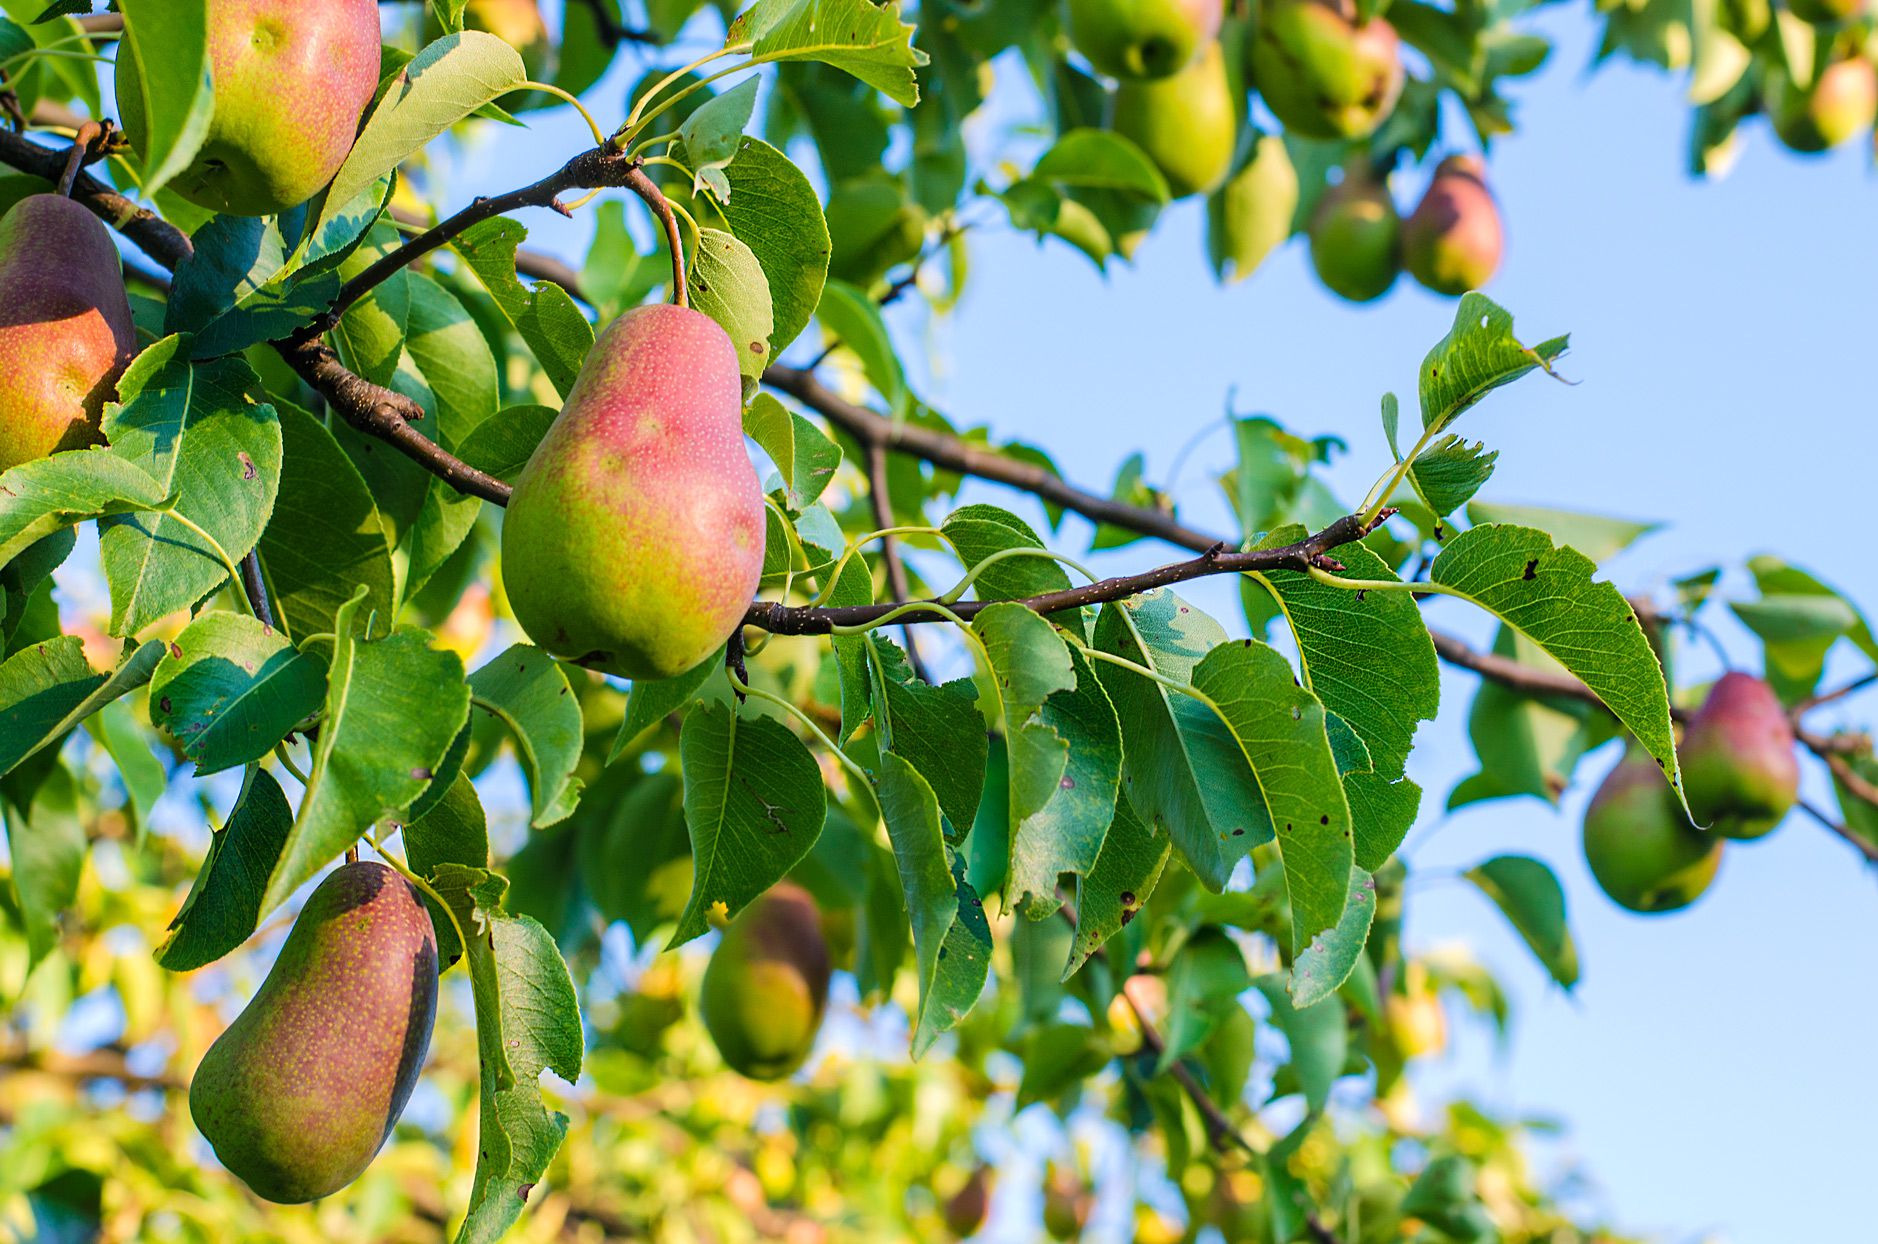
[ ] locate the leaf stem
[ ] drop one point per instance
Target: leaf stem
(639, 116)
(599, 135)
(1417, 586)
(228, 563)
(808, 723)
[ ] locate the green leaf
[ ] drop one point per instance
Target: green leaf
(1549, 596)
(143, 776)
(774, 210)
(1120, 884)
(47, 495)
(170, 41)
(528, 690)
(1101, 160)
(1328, 961)
(453, 830)
(1318, 1035)
(1527, 745)
(856, 36)
(979, 532)
(393, 707)
(754, 804)
(1181, 767)
(545, 315)
(728, 284)
(326, 539)
(851, 317)
(653, 699)
(237, 289)
(47, 845)
(1450, 471)
(936, 729)
(1207, 978)
(635, 853)
(503, 443)
(711, 133)
(1595, 535)
(1479, 354)
(1529, 895)
(449, 80)
(200, 432)
(1065, 836)
(41, 688)
(224, 905)
(448, 349)
(805, 458)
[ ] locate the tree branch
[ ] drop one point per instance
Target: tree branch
(880, 494)
(531, 264)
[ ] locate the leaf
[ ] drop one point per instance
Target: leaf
(1318, 1035)
(1328, 961)
(1119, 885)
(448, 349)
(852, 318)
(634, 849)
(224, 905)
(1527, 745)
(754, 805)
(1207, 978)
(1529, 895)
(727, 284)
(1549, 596)
(653, 699)
(228, 689)
(1099, 159)
(556, 332)
(1450, 471)
(237, 289)
(393, 707)
(46, 844)
(453, 830)
(856, 36)
(936, 729)
(144, 777)
(41, 687)
(325, 540)
(47, 495)
(979, 532)
(503, 443)
(1181, 767)
(528, 690)
(805, 458)
(1597, 536)
(1065, 836)
(170, 41)
(1479, 354)
(774, 210)
(711, 133)
(449, 80)
(200, 432)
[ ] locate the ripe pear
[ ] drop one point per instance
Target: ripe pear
(1739, 771)
(1250, 216)
(767, 984)
(1453, 239)
(300, 1092)
(1323, 74)
(965, 1211)
(1142, 39)
(634, 540)
(292, 80)
(1642, 850)
(1837, 106)
(1356, 237)
(1188, 123)
(67, 334)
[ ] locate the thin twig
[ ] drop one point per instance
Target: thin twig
(881, 497)
(1826, 697)
(1864, 847)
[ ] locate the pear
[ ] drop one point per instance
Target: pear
(66, 334)
(634, 539)
(1453, 240)
(1250, 216)
(767, 984)
(1641, 849)
(1356, 237)
(292, 80)
(1141, 39)
(1066, 1204)
(1739, 771)
(300, 1092)
(1837, 106)
(965, 1211)
(1323, 74)
(1188, 123)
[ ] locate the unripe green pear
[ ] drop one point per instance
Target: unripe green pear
(1140, 39)
(1453, 240)
(300, 1092)
(634, 540)
(1321, 73)
(1840, 104)
(767, 984)
(1739, 771)
(67, 334)
(292, 80)
(1066, 1204)
(1250, 216)
(1356, 237)
(874, 228)
(1827, 12)
(1188, 123)
(965, 1211)
(1641, 849)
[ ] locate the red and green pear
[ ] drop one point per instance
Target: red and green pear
(1817, 118)
(767, 985)
(1188, 124)
(1323, 73)
(1066, 1204)
(292, 80)
(1142, 39)
(1641, 848)
(1453, 240)
(1356, 237)
(634, 540)
(300, 1092)
(1739, 770)
(66, 333)
(965, 1211)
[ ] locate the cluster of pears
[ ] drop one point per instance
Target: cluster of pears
(1839, 102)
(1450, 243)
(292, 82)
(1740, 776)
(767, 984)
(302, 1090)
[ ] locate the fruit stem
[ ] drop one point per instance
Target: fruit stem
(88, 133)
(654, 198)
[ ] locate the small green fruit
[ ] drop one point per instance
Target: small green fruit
(767, 985)
(634, 540)
(1641, 849)
(67, 334)
(1840, 104)
(1066, 1204)
(1188, 124)
(292, 80)
(1250, 216)
(1141, 39)
(1453, 240)
(300, 1092)
(1356, 238)
(1739, 771)
(1321, 73)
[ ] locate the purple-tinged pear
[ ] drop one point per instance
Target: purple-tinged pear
(1453, 240)
(1739, 771)
(767, 985)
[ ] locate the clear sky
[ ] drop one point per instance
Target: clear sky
(1714, 1066)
